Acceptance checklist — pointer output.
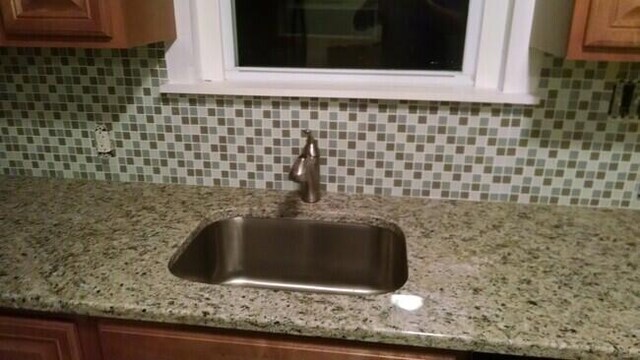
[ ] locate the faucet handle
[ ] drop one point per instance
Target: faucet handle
(308, 134)
(311, 148)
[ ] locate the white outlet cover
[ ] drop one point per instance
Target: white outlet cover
(103, 140)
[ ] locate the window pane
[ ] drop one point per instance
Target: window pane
(351, 34)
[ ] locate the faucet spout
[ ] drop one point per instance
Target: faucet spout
(298, 173)
(306, 170)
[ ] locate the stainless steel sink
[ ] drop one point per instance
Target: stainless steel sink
(295, 254)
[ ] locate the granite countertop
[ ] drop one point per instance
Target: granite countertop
(496, 277)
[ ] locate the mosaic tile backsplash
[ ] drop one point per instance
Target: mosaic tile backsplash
(564, 151)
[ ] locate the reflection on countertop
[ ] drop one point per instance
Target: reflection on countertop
(494, 277)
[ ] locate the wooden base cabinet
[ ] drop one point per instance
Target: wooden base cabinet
(86, 23)
(30, 339)
(27, 335)
(33, 336)
(146, 342)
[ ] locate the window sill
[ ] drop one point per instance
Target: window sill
(386, 92)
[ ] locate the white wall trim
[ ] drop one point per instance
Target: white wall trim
(305, 76)
(228, 34)
(551, 26)
(472, 38)
(389, 92)
(181, 64)
(208, 39)
(517, 61)
(493, 37)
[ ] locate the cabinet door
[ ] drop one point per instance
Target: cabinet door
(26, 339)
(613, 24)
(132, 342)
(70, 18)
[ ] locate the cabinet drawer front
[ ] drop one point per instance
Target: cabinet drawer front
(27, 339)
(123, 342)
(79, 18)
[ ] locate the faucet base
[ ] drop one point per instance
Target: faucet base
(309, 196)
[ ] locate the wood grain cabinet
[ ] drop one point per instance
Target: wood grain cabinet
(86, 23)
(605, 30)
(29, 339)
(66, 337)
(138, 342)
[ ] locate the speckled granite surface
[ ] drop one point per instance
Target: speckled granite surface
(545, 281)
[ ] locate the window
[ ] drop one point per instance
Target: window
(350, 34)
(457, 50)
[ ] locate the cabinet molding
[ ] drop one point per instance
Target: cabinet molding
(30, 339)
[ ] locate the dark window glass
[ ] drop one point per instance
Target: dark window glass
(351, 34)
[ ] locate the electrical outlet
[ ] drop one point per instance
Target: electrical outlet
(104, 145)
(625, 101)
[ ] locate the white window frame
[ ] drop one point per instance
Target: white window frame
(370, 77)
(202, 61)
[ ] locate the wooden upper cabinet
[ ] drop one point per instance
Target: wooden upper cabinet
(55, 17)
(86, 23)
(605, 30)
(613, 23)
(29, 339)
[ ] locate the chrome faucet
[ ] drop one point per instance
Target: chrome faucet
(306, 170)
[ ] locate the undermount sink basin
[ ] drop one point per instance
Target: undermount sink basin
(295, 254)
